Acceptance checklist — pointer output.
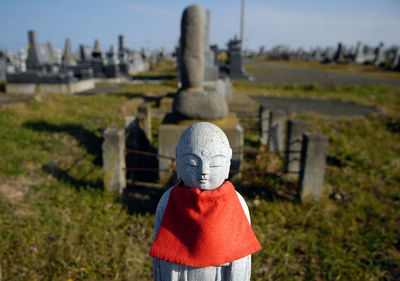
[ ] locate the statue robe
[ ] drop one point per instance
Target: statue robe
(167, 271)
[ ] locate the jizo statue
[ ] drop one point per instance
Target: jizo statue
(202, 227)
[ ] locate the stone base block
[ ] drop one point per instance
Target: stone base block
(171, 130)
(21, 88)
(207, 104)
(243, 104)
(166, 104)
(221, 86)
(211, 73)
(31, 88)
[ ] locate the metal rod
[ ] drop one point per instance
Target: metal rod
(242, 26)
(148, 169)
(147, 153)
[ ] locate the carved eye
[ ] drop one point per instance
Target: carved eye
(217, 162)
(192, 162)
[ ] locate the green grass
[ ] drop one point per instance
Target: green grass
(57, 223)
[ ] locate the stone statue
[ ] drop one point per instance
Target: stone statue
(192, 100)
(202, 227)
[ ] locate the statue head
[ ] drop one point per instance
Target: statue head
(203, 156)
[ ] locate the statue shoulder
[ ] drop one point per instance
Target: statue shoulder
(244, 206)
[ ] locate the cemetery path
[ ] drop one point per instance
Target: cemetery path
(315, 106)
(278, 74)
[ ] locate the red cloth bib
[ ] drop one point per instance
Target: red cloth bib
(204, 228)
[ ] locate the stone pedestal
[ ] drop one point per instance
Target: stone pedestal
(203, 105)
(53, 88)
(295, 131)
(144, 114)
(264, 125)
(222, 86)
(114, 160)
(312, 167)
(277, 122)
(171, 130)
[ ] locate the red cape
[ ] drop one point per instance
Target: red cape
(204, 228)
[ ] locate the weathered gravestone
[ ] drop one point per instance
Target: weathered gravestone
(295, 131)
(277, 121)
(236, 69)
(395, 61)
(380, 57)
(339, 55)
(3, 65)
(211, 72)
(114, 160)
(68, 58)
(359, 56)
(312, 166)
(39, 57)
(112, 69)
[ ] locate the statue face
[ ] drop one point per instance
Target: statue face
(203, 156)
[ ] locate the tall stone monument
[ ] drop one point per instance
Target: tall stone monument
(68, 58)
(236, 69)
(380, 58)
(192, 100)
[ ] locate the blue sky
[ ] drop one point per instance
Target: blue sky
(155, 23)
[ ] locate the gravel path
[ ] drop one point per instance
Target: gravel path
(278, 74)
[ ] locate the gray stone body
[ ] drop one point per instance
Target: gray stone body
(359, 56)
(214, 49)
(211, 71)
(312, 167)
(68, 58)
(203, 157)
(144, 116)
(295, 131)
(236, 69)
(113, 149)
(395, 61)
(264, 125)
(192, 47)
(3, 66)
(339, 55)
(380, 58)
(85, 53)
(39, 58)
(51, 53)
(277, 122)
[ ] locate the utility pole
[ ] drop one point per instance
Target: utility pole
(242, 26)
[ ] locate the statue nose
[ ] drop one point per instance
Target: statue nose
(205, 170)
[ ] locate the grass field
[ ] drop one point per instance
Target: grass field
(57, 223)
